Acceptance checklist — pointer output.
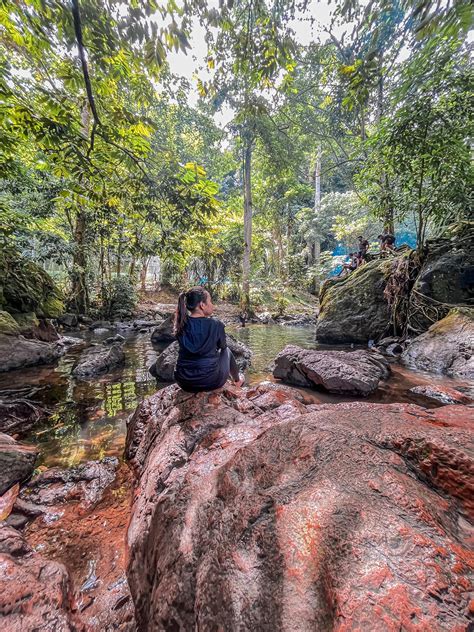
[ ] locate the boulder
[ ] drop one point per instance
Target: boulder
(85, 483)
(353, 308)
(441, 394)
(164, 331)
(33, 327)
(19, 352)
(99, 359)
(100, 324)
(17, 462)
(446, 277)
(35, 593)
(349, 516)
(112, 339)
(27, 287)
(8, 325)
(163, 368)
(341, 372)
(69, 321)
(447, 347)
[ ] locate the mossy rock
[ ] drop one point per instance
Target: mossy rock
(353, 309)
(25, 287)
(8, 324)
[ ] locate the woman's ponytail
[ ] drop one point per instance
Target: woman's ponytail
(181, 315)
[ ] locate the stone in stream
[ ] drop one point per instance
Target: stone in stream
(447, 347)
(17, 462)
(164, 331)
(341, 372)
(442, 394)
(346, 516)
(99, 359)
(353, 308)
(163, 368)
(85, 483)
(17, 352)
(35, 593)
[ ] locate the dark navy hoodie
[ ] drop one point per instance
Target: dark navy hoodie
(198, 357)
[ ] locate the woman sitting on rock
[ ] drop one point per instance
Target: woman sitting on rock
(204, 360)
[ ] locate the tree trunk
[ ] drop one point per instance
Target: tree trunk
(143, 272)
(245, 300)
(316, 251)
(80, 298)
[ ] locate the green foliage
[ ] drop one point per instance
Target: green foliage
(120, 298)
(26, 287)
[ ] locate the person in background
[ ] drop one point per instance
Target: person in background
(351, 265)
(204, 360)
(363, 247)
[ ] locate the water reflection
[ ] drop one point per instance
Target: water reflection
(89, 417)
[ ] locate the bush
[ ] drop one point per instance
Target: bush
(120, 298)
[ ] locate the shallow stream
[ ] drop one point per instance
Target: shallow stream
(88, 419)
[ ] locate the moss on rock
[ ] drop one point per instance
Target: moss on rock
(8, 324)
(25, 287)
(353, 308)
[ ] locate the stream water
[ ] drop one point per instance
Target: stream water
(88, 419)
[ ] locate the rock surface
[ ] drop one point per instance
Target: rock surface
(255, 514)
(163, 368)
(341, 372)
(17, 462)
(19, 352)
(35, 593)
(85, 483)
(164, 331)
(99, 359)
(443, 395)
(447, 346)
(353, 308)
(446, 275)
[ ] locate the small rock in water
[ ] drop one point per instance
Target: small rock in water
(342, 372)
(98, 359)
(442, 394)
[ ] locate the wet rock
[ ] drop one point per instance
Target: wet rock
(353, 308)
(99, 359)
(296, 320)
(265, 318)
(342, 372)
(447, 346)
(112, 339)
(17, 462)
(443, 395)
(35, 593)
(100, 324)
(85, 483)
(145, 324)
(69, 320)
(164, 331)
(319, 520)
(163, 368)
(19, 352)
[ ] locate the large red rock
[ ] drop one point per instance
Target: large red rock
(35, 593)
(256, 512)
